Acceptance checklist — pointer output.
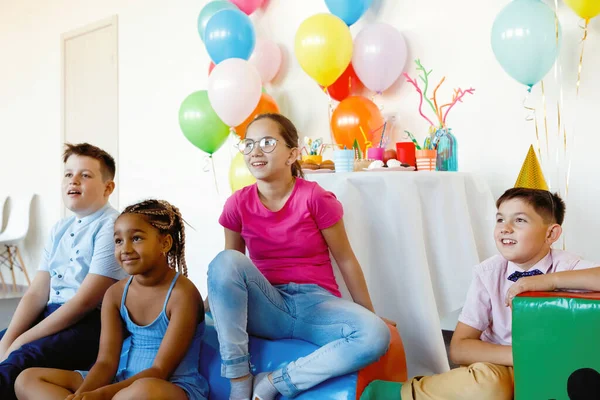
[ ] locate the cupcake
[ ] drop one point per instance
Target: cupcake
(328, 164)
(309, 164)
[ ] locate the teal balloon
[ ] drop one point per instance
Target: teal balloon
(200, 124)
(524, 40)
(211, 9)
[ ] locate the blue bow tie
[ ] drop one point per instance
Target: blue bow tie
(515, 276)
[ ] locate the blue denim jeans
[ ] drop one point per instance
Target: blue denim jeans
(243, 302)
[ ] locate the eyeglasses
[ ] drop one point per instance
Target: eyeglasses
(266, 144)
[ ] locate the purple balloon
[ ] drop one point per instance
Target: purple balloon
(379, 56)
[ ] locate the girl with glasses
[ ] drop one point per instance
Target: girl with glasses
(285, 287)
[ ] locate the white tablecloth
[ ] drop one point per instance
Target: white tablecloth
(417, 236)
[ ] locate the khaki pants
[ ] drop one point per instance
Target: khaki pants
(479, 381)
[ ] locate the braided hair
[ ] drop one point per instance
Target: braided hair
(168, 220)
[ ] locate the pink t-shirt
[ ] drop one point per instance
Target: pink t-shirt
(287, 245)
(485, 309)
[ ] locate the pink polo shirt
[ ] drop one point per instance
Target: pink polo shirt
(287, 245)
(485, 308)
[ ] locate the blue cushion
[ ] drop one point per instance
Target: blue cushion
(268, 355)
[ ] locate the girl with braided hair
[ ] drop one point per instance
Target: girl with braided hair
(157, 306)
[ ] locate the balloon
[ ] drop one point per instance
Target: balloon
(586, 9)
(234, 90)
(247, 6)
(346, 85)
(379, 56)
(209, 10)
(200, 124)
(211, 66)
(323, 46)
(350, 116)
(239, 174)
(267, 59)
(524, 40)
(265, 105)
(348, 10)
(229, 34)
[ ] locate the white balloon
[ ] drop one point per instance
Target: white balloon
(234, 89)
(379, 56)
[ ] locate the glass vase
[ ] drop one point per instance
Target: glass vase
(447, 152)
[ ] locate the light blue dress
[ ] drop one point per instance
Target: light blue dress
(140, 349)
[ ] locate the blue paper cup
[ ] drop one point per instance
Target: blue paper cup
(343, 160)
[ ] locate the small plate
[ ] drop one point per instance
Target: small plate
(318, 171)
(389, 169)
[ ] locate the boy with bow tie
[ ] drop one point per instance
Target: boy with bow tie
(528, 222)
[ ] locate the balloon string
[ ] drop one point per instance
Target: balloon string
(546, 126)
(580, 66)
(212, 161)
(329, 114)
(531, 116)
(206, 166)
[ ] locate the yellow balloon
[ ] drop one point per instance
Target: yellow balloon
(586, 9)
(239, 175)
(323, 46)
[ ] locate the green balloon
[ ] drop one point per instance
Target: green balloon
(264, 90)
(200, 124)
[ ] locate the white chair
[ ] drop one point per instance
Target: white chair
(2, 204)
(13, 236)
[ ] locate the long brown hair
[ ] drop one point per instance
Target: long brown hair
(168, 220)
(288, 131)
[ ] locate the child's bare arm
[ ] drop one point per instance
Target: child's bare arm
(29, 309)
(234, 241)
(111, 341)
(184, 307)
(87, 298)
(467, 348)
(584, 279)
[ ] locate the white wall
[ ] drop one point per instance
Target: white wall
(162, 60)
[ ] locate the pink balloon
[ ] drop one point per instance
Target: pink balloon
(247, 6)
(379, 56)
(234, 90)
(267, 59)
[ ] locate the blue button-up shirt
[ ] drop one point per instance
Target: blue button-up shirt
(78, 247)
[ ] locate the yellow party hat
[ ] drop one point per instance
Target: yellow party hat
(531, 176)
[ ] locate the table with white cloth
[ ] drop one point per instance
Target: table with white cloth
(417, 236)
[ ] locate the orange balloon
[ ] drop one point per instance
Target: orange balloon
(266, 104)
(352, 114)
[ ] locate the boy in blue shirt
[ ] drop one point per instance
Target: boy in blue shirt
(57, 323)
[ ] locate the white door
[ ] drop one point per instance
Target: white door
(90, 90)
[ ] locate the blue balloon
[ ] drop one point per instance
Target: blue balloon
(524, 40)
(211, 9)
(348, 11)
(229, 34)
